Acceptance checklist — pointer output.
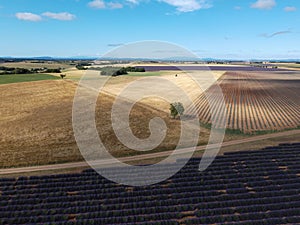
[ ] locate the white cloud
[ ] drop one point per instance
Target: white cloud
(237, 7)
(28, 16)
(264, 4)
(114, 5)
(187, 5)
(133, 1)
(60, 16)
(98, 4)
(290, 9)
(180, 5)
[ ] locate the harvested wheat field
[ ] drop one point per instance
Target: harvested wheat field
(36, 124)
(256, 101)
(184, 80)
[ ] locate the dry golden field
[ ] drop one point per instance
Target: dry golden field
(36, 124)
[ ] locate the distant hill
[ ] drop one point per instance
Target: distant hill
(170, 59)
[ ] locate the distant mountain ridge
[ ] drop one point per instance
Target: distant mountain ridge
(183, 59)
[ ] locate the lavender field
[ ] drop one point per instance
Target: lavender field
(250, 187)
(215, 68)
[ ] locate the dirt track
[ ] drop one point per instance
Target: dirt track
(142, 157)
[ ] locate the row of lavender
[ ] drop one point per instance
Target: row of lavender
(252, 187)
(204, 68)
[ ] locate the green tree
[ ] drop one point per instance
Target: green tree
(176, 108)
(53, 70)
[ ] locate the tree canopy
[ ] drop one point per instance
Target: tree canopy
(176, 109)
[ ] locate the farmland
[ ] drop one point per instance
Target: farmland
(41, 125)
(250, 187)
(241, 187)
(7, 79)
(208, 67)
(256, 101)
(35, 64)
(36, 124)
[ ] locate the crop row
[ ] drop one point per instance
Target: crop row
(253, 104)
(262, 185)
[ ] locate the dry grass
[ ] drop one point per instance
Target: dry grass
(36, 123)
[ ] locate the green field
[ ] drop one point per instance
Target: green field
(7, 79)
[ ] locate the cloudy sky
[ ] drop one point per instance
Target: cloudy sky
(229, 29)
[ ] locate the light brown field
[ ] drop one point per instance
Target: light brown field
(183, 80)
(36, 124)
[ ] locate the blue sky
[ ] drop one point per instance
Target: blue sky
(229, 29)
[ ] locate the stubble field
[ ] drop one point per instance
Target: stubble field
(36, 124)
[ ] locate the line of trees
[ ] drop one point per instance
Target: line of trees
(11, 70)
(117, 71)
(83, 66)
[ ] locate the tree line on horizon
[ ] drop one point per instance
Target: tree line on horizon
(118, 71)
(12, 70)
